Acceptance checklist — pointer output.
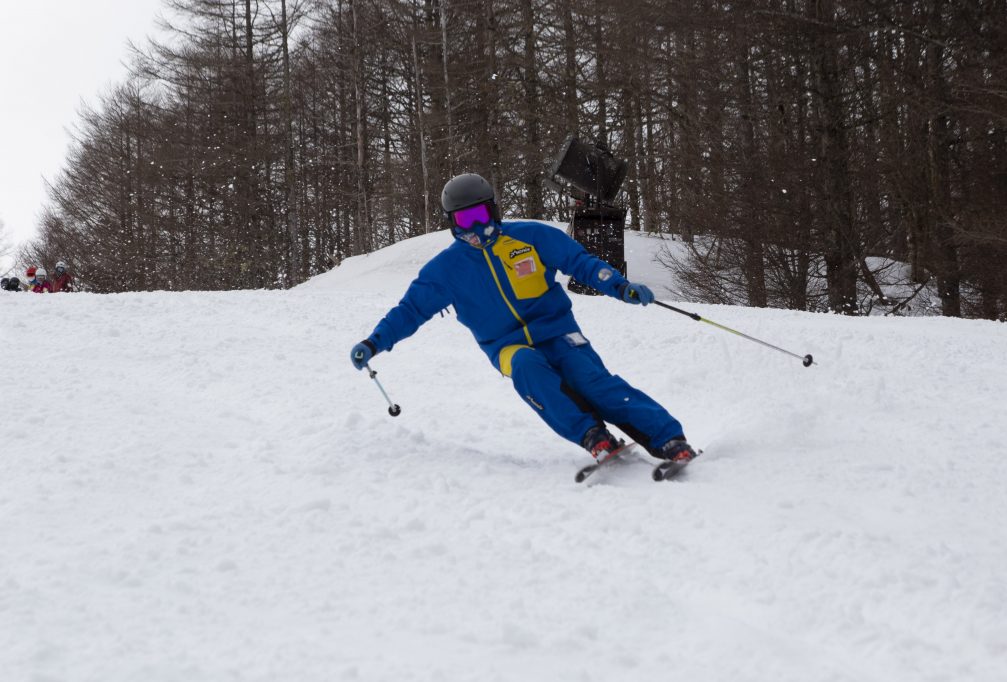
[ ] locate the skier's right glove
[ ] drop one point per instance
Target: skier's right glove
(362, 353)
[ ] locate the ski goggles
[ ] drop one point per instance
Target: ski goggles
(467, 218)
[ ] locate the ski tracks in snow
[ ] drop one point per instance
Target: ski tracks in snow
(206, 490)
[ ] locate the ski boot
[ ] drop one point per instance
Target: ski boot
(675, 450)
(601, 444)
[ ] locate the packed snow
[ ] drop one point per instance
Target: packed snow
(200, 487)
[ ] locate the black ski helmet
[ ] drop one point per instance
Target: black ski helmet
(465, 191)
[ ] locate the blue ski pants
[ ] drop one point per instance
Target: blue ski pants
(567, 384)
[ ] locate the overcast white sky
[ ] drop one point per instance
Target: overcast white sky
(54, 55)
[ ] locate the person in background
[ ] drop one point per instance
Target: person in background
(12, 284)
(42, 284)
(63, 281)
(30, 273)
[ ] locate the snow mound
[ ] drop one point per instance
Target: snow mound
(392, 267)
(395, 266)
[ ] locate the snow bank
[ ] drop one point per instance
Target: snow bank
(200, 487)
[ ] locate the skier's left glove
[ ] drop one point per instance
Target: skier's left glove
(361, 353)
(636, 293)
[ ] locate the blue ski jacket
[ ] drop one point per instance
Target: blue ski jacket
(506, 293)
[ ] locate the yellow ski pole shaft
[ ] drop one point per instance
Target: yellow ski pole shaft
(806, 360)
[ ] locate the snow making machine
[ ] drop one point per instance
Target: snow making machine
(594, 177)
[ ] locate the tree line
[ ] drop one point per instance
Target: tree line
(800, 148)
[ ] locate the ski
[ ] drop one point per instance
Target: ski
(668, 470)
(586, 471)
(663, 471)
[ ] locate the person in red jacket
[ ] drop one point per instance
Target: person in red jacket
(42, 284)
(63, 281)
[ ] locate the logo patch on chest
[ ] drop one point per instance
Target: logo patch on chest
(525, 268)
(517, 252)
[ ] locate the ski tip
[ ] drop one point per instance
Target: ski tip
(585, 472)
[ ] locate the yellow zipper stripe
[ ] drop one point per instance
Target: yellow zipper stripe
(496, 279)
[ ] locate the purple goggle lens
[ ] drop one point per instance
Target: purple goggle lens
(467, 217)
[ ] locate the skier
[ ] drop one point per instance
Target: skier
(42, 284)
(500, 277)
(30, 272)
(13, 284)
(63, 281)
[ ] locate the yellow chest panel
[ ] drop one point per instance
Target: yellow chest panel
(524, 268)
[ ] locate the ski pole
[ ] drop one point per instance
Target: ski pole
(806, 360)
(393, 409)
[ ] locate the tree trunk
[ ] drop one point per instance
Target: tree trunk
(945, 247)
(601, 84)
(452, 152)
(290, 217)
(569, 95)
(362, 233)
(491, 99)
(631, 125)
(422, 132)
(753, 229)
(530, 78)
(840, 258)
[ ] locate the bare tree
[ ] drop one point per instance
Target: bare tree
(6, 247)
(801, 148)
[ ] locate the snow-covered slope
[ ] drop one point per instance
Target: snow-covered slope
(200, 487)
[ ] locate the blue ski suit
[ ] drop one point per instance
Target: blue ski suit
(508, 297)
